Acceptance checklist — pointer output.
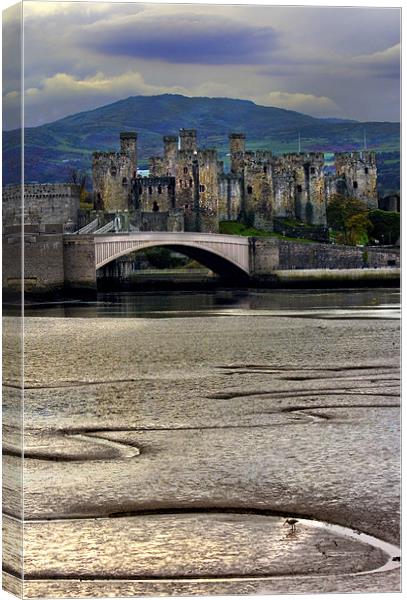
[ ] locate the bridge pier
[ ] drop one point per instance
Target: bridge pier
(79, 262)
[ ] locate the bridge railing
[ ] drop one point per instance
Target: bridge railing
(105, 229)
(89, 228)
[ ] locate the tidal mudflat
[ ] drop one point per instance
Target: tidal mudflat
(194, 448)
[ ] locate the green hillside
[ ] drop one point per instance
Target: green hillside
(53, 149)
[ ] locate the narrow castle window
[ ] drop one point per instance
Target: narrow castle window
(190, 183)
(201, 188)
(312, 170)
(265, 169)
(355, 185)
(249, 189)
(159, 189)
(185, 170)
(150, 189)
(124, 181)
(299, 189)
(366, 171)
(180, 183)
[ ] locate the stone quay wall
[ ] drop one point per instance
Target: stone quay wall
(269, 254)
(43, 261)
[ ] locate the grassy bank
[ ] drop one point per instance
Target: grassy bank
(237, 228)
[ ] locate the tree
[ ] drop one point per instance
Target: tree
(80, 178)
(350, 218)
(358, 227)
(385, 226)
(163, 258)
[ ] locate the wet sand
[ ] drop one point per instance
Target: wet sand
(163, 456)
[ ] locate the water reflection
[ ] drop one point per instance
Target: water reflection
(373, 303)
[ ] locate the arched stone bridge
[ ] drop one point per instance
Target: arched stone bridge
(227, 255)
(235, 258)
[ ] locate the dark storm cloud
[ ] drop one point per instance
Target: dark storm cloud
(192, 39)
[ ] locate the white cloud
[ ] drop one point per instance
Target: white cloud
(61, 90)
(307, 103)
(385, 63)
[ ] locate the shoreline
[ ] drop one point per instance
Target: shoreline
(278, 279)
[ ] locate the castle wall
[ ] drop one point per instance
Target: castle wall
(299, 187)
(156, 193)
(229, 197)
(176, 220)
(153, 221)
(288, 197)
(44, 203)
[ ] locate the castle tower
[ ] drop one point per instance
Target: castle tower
(170, 154)
(188, 140)
(237, 152)
(359, 172)
(258, 198)
(156, 167)
(208, 190)
(128, 145)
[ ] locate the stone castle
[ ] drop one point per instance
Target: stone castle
(187, 188)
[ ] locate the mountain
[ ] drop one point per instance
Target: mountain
(53, 149)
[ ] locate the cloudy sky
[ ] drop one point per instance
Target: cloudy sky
(341, 62)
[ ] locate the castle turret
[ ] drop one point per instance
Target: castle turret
(112, 173)
(188, 140)
(128, 145)
(170, 153)
(237, 151)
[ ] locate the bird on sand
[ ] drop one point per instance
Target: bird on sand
(292, 523)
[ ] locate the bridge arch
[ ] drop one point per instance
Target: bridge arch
(228, 256)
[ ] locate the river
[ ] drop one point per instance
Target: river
(223, 442)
